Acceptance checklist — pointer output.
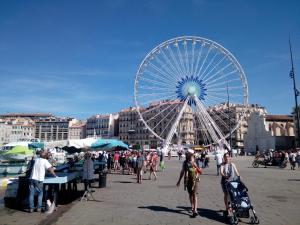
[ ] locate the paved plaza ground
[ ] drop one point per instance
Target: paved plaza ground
(275, 194)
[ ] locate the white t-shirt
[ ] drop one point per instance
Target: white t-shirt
(219, 158)
(39, 169)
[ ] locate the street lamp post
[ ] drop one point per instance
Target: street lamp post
(296, 93)
(229, 122)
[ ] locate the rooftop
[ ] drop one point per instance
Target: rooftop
(279, 118)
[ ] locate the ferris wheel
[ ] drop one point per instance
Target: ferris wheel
(191, 78)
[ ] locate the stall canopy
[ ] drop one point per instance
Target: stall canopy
(94, 143)
(109, 144)
(35, 145)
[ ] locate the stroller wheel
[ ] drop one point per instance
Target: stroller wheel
(254, 220)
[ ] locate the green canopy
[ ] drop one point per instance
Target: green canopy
(19, 150)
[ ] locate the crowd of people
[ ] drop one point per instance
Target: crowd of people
(279, 156)
(133, 162)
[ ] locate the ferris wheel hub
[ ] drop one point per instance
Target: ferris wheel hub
(190, 86)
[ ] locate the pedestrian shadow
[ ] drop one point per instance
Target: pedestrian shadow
(209, 214)
(164, 209)
(123, 182)
(293, 179)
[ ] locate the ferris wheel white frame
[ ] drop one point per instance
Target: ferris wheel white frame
(208, 122)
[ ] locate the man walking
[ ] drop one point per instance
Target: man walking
(36, 180)
(219, 159)
(139, 167)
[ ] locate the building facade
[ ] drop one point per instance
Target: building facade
(228, 118)
(102, 126)
(77, 130)
(52, 129)
(269, 132)
(133, 131)
(16, 129)
(5, 132)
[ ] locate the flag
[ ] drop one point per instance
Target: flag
(292, 74)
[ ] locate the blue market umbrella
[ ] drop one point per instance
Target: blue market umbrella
(109, 144)
(35, 145)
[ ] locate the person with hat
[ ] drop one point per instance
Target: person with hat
(191, 173)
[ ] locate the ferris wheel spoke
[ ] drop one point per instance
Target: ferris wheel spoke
(169, 69)
(207, 125)
(186, 57)
(153, 88)
(163, 98)
(211, 122)
(219, 71)
(222, 83)
(165, 76)
(198, 58)
(156, 93)
(153, 117)
(205, 133)
(167, 125)
(209, 64)
(159, 83)
(176, 105)
(231, 88)
(218, 118)
(221, 77)
(174, 68)
(205, 76)
(216, 97)
(193, 55)
(175, 124)
(173, 57)
(180, 59)
(204, 61)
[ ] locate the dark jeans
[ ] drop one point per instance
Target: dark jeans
(35, 186)
(218, 169)
(87, 183)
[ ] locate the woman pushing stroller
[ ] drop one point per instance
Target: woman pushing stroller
(228, 172)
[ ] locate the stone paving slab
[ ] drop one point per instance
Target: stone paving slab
(274, 192)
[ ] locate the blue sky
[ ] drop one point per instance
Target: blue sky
(79, 58)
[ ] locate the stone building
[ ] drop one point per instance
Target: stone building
(269, 132)
(133, 131)
(77, 130)
(102, 126)
(257, 136)
(16, 129)
(282, 128)
(5, 132)
(52, 128)
(228, 117)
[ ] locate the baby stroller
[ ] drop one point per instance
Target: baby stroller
(239, 202)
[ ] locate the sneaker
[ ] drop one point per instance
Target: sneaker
(29, 210)
(38, 210)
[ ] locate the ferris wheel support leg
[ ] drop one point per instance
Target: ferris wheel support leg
(174, 126)
(212, 122)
